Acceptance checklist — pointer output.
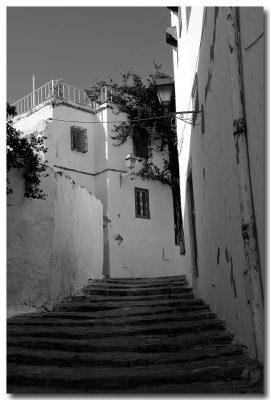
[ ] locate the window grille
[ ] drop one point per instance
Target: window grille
(142, 203)
(140, 144)
(79, 140)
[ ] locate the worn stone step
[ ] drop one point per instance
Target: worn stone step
(138, 343)
(84, 332)
(118, 359)
(94, 290)
(228, 387)
(81, 306)
(112, 378)
(91, 298)
(141, 285)
(221, 388)
(147, 280)
(50, 319)
(115, 312)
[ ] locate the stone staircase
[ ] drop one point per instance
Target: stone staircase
(128, 336)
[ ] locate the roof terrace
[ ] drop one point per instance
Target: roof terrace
(57, 89)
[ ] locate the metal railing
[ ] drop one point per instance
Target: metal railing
(57, 89)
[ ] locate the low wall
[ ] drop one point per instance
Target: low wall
(53, 246)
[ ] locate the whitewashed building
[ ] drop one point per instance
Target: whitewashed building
(139, 238)
(218, 55)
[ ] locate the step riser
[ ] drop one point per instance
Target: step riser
(119, 360)
(127, 382)
(138, 347)
(111, 322)
(124, 305)
(117, 332)
(137, 292)
(90, 297)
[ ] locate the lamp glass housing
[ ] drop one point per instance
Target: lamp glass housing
(164, 90)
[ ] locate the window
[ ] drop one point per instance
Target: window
(79, 141)
(140, 144)
(142, 203)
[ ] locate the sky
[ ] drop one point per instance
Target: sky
(82, 44)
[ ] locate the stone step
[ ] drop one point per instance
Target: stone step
(96, 298)
(49, 319)
(118, 359)
(138, 343)
(81, 306)
(94, 290)
(108, 378)
(115, 312)
(216, 387)
(147, 280)
(141, 292)
(83, 332)
(141, 285)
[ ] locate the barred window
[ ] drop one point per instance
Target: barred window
(140, 144)
(142, 203)
(79, 140)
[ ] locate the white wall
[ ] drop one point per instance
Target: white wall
(53, 246)
(212, 158)
(146, 242)
(102, 165)
(80, 166)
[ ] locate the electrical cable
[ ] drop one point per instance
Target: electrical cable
(171, 115)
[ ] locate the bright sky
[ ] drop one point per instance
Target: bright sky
(81, 44)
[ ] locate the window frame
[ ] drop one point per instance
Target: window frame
(78, 146)
(146, 191)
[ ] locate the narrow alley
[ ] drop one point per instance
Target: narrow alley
(149, 335)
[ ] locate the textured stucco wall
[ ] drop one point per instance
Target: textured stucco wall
(53, 246)
(211, 156)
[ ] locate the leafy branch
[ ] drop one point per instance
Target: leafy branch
(24, 153)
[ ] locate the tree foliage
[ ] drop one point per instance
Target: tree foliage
(23, 152)
(139, 100)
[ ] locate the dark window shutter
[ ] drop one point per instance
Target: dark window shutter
(140, 144)
(79, 139)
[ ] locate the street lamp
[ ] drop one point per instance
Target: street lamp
(164, 91)
(130, 164)
(164, 87)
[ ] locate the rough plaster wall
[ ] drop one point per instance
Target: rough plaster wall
(53, 246)
(253, 45)
(77, 238)
(30, 226)
(213, 161)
